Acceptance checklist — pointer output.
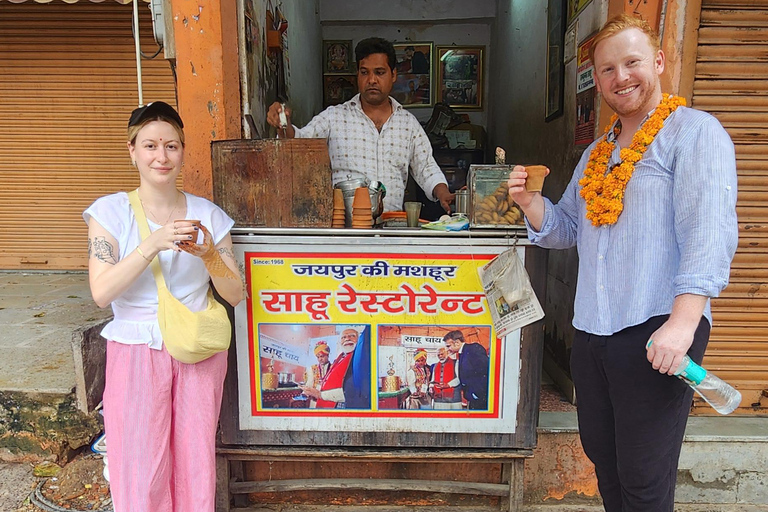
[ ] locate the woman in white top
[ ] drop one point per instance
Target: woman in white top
(160, 415)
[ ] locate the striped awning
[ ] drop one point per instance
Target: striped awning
(70, 1)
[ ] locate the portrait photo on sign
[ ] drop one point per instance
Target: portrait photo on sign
(337, 57)
(413, 87)
(460, 76)
(338, 89)
(314, 367)
(433, 367)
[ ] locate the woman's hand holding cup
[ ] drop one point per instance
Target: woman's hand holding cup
(188, 242)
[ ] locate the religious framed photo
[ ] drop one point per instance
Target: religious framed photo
(413, 87)
(460, 76)
(555, 67)
(338, 88)
(337, 57)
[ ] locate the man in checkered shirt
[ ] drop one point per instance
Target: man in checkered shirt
(372, 136)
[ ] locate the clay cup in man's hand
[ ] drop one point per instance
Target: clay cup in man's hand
(536, 175)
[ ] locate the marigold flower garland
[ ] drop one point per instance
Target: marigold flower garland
(604, 192)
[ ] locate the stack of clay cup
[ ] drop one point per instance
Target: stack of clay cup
(361, 209)
(338, 209)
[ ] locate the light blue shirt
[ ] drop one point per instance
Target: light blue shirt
(676, 235)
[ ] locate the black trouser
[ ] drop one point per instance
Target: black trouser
(631, 417)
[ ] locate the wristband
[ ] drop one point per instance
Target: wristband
(141, 253)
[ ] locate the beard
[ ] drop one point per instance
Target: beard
(648, 99)
(348, 348)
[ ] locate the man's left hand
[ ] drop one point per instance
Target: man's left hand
(671, 342)
(443, 195)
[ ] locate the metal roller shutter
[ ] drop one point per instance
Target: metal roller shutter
(732, 84)
(67, 85)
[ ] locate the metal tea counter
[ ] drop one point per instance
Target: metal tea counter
(375, 299)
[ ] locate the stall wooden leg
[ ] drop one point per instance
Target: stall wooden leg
(512, 474)
(237, 474)
(223, 496)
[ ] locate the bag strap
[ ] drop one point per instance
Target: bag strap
(141, 220)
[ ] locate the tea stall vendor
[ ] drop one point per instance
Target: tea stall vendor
(372, 136)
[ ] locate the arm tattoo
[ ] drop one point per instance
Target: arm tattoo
(226, 251)
(102, 250)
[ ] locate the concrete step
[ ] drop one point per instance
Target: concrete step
(723, 466)
(52, 360)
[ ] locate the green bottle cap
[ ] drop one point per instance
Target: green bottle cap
(693, 372)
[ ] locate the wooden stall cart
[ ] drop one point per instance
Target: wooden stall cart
(311, 284)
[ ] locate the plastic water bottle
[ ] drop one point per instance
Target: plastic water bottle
(723, 397)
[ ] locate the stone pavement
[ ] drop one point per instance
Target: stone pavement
(16, 482)
(38, 314)
(48, 386)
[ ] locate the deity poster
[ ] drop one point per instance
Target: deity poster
(372, 341)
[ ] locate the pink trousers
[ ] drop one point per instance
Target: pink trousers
(160, 418)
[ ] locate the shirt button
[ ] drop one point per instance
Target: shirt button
(600, 257)
(602, 287)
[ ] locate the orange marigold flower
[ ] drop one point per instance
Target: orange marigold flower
(604, 192)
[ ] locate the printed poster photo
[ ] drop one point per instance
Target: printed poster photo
(315, 366)
(433, 367)
(413, 86)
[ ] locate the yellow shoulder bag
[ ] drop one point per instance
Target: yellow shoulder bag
(188, 336)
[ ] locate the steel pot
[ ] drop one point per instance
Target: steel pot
(285, 378)
(376, 190)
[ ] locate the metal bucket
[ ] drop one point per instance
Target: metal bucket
(375, 189)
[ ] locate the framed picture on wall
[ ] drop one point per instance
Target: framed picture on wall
(337, 57)
(413, 87)
(338, 88)
(460, 76)
(555, 67)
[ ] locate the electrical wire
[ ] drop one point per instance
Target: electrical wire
(39, 500)
(144, 55)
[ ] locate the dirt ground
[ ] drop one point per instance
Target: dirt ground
(79, 485)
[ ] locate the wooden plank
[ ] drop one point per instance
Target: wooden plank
(395, 484)
(273, 182)
(371, 508)
(330, 454)
(223, 497)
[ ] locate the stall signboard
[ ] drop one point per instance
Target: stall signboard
(372, 342)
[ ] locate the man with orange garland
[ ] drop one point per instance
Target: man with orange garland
(348, 382)
(651, 209)
(317, 372)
